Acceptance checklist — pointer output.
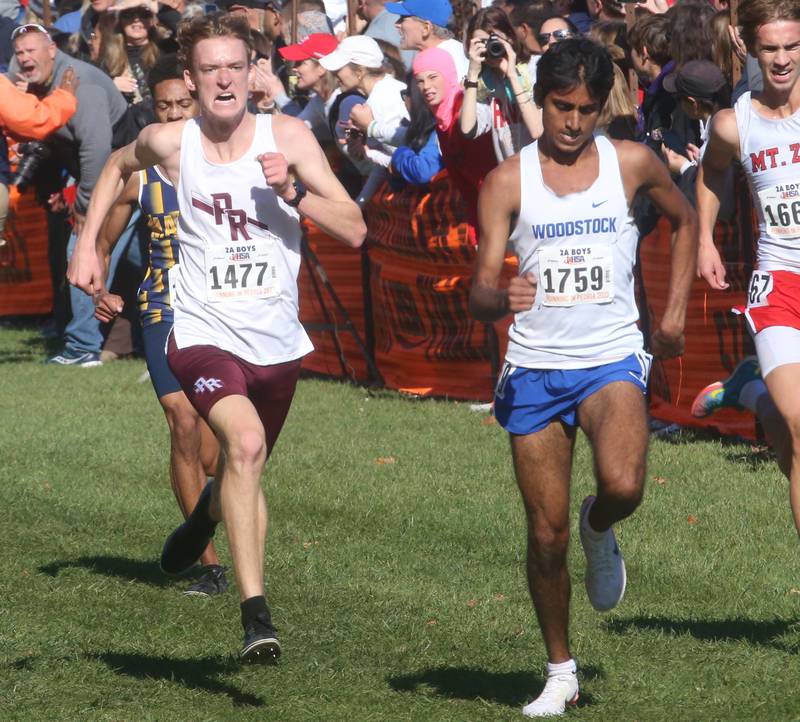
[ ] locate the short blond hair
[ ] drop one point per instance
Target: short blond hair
(205, 27)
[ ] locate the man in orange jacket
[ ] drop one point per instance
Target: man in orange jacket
(26, 117)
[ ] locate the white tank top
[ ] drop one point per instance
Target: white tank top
(770, 157)
(239, 256)
(581, 248)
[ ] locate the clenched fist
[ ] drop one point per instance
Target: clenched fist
(276, 172)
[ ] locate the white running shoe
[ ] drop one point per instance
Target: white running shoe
(605, 567)
(560, 690)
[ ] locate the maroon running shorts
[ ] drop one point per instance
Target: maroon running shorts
(207, 374)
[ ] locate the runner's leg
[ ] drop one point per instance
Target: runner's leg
(783, 383)
(187, 475)
(543, 465)
(241, 435)
(615, 421)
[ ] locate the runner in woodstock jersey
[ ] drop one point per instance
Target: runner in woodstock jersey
(575, 355)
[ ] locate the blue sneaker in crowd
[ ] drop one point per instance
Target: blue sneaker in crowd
(86, 359)
(726, 393)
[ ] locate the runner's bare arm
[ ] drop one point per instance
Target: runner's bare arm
(722, 149)
(498, 206)
(651, 176)
(155, 144)
(326, 203)
(116, 222)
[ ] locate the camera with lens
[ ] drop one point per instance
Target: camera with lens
(32, 155)
(494, 47)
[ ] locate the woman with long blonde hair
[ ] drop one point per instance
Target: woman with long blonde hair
(618, 118)
(129, 48)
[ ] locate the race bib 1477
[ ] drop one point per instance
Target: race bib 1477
(242, 270)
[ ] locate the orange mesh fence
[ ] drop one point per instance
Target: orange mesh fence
(336, 352)
(25, 285)
(422, 254)
(716, 339)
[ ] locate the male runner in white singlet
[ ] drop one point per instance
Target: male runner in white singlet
(763, 134)
(237, 342)
(575, 355)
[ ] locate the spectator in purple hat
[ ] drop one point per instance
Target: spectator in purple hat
(424, 24)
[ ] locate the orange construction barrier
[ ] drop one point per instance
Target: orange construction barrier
(336, 352)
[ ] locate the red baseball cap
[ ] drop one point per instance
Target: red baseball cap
(315, 46)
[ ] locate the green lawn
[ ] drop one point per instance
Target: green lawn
(394, 568)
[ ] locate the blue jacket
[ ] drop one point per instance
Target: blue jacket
(418, 168)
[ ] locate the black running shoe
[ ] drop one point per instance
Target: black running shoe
(212, 581)
(188, 542)
(261, 645)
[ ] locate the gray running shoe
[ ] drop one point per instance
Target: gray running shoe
(211, 582)
(605, 568)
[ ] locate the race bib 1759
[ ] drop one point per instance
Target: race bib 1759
(573, 276)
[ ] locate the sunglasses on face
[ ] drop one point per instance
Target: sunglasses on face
(29, 28)
(131, 14)
(544, 38)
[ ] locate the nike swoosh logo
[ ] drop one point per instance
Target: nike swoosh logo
(597, 205)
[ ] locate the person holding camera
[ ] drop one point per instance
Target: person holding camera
(127, 54)
(497, 92)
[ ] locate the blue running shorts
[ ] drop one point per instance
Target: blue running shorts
(527, 400)
(154, 336)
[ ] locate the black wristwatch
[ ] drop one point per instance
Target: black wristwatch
(300, 190)
(470, 84)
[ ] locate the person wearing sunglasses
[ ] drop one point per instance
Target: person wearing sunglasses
(553, 30)
(127, 53)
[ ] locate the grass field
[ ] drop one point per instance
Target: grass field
(394, 567)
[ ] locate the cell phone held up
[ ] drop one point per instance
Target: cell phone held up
(669, 139)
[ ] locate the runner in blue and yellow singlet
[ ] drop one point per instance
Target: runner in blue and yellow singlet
(193, 447)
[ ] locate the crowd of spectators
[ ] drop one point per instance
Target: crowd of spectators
(415, 87)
